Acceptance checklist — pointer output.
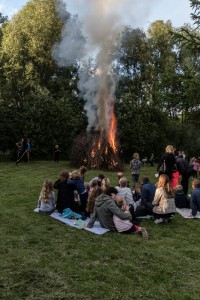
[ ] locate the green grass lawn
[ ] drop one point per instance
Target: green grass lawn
(41, 258)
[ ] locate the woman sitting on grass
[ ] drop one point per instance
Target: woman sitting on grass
(47, 199)
(96, 192)
(126, 226)
(164, 204)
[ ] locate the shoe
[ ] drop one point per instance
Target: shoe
(190, 216)
(144, 233)
(158, 221)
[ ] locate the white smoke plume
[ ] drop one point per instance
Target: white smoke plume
(101, 22)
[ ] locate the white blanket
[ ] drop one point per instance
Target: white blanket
(97, 229)
(185, 212)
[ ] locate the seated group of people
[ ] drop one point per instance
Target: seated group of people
(116, 208)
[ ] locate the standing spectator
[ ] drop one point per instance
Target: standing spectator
(28, 149)
(135, 165)
(195, 168)
(21, 150)
(152, 160)
(57, 153)
(170, 162)
(185, 172)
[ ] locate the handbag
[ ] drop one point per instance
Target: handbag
(162, 168)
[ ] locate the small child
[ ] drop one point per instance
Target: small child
(181, 200)
(47, 199)
(125, 226)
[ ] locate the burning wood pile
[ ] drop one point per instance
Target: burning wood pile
(98, 149)
(95, 152)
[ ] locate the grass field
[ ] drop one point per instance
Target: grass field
(41, 258)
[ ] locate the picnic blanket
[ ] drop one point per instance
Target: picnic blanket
(184, 212)
(97, 229)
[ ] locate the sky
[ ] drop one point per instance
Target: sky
(178, 11)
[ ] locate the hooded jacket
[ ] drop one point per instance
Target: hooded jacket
(104, 209)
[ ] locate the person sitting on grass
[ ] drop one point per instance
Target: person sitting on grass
(126, 226)
(77, 180)
(145, 206)
(195, 198)
(125, 191)
(47, 198)
(65, 196)
(104, 209)
(96, 192)
(164, 204)
(181, 200)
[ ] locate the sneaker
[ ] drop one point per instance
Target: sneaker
(190, 216)
(144, 233)
(158, 221)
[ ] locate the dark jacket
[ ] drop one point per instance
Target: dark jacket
(148, 193)
(181, 200)
(182, 165)
(104, 209)
(195, 201)
(170, 162)
(65, 196)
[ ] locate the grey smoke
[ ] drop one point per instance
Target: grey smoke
(101, 21)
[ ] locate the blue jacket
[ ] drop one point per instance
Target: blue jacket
(148, 192)
(195, 201)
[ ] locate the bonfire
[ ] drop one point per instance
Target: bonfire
(98, 149)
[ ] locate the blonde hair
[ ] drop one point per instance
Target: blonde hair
(165, 183)
(75, 174)
(97, 191)
(136, 156)
(47, 188)
(120, 201)
(105, 184)
(123, 182)
(169, 149)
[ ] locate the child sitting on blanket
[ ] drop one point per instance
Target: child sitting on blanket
(181, 200)
(47, 199)
(125, 226)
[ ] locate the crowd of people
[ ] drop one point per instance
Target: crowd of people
(121, 208)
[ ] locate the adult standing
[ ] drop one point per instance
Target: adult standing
(168, 158)
(185, 172)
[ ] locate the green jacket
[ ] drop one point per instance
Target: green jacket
(104, 209)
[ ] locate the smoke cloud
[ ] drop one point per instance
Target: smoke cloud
(101, 22)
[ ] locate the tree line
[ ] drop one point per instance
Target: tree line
(157, 96)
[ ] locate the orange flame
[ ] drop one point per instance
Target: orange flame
(112, 132)
(93, 153)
